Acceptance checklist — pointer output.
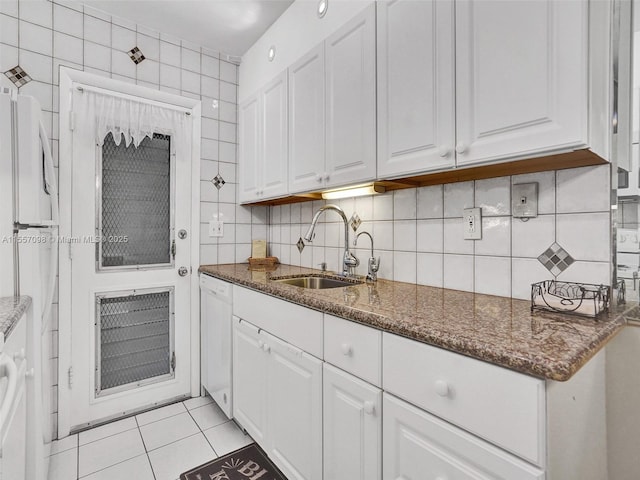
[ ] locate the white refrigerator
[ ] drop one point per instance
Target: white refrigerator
(29, 254)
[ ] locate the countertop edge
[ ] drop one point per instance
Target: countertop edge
(560, 370)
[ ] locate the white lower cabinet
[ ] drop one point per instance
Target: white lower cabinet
(295, 410)
(352, 427)
(250, 380)
(279, 400)
(417, 445)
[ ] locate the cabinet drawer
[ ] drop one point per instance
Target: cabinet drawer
(353, 347)
(505, 407)
(300, 326)
(419, 445)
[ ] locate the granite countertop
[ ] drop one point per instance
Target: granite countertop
(499, 330)
(11, 310)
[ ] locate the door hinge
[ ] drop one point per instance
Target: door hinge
(70, 377)
(70, 250)
(173, 361)
(173, 248)
(72, 121)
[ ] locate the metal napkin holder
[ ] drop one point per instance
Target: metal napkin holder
(584, 299)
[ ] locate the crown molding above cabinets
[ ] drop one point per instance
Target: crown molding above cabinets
(416, 93)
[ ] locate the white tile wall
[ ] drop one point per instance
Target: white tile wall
(41, 35)
(418, 232)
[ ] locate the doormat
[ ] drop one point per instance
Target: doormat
(247, 463)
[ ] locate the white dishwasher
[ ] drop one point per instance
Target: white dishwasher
(215, 339)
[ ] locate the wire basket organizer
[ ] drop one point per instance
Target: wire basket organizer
(567, 297)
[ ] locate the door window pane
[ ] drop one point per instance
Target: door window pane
(135, 340)
(136, 203)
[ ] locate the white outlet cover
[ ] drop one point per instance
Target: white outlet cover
(216, 228)
(472, 223)
(524, 200)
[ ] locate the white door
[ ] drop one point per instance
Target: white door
(250, 366)
(416, 124)
(274, 163)
(350, 76)
(249, 152)
(295, 410)
(352, 427)
(521, 78)
(417, 445)
(130, 276)
(306, 122)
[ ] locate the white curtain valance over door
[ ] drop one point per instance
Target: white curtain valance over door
(129, 119)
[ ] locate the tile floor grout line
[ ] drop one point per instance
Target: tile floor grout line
(109, 466)
(202, 431)
(107, 436)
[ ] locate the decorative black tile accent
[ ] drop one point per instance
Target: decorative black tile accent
(300, 244)
(355, 221)
(218, 181)
(136, 55)
(556, 259)
(18, 76)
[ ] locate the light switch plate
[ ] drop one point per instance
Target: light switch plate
(216, 228)
(472, 223)
(524, 200)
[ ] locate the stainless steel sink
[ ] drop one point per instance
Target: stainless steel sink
(316, 282)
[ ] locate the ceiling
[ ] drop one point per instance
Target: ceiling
(228, 26)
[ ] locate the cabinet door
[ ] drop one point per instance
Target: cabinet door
(306, 122)
(295, 411)
(274, 138)
(350, 56)
(417, 445)
(416, 127)
(250, 149)
(352, 427)
(521, 78)
(250, 380)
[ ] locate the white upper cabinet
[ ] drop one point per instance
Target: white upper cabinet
(350, 76)
(263, 159)
(416, 123)
(275, 145)
(306, 119)
(521, 78)
(332, 109)
(249, 151)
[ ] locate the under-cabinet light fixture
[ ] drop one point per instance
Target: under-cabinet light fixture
(272, 53)
(357, 191)
(323, 6)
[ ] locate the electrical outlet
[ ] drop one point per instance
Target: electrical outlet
(216, 228)
(524, 200)
(472, 223)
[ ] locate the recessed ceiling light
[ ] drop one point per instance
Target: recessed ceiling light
(272, 53)
(323, 6)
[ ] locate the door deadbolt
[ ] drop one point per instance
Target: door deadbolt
(182, 234)
(182, 271)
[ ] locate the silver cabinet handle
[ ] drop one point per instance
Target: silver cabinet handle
(182, 271)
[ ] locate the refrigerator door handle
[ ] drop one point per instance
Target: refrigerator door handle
(52, 190)
(50, 175)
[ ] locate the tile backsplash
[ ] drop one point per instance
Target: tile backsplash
(418, 233)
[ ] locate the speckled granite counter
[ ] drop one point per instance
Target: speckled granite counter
(11, 310)
(499, 330)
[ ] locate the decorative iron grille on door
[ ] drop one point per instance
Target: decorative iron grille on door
(134, 339)
(134, 217)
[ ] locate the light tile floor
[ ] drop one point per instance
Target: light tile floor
(155, 445)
